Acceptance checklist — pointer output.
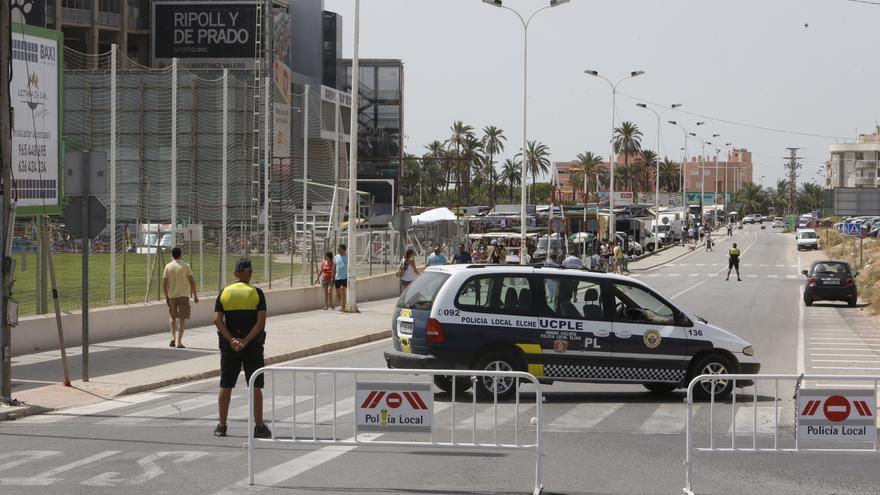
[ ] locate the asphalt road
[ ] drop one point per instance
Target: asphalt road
(599, 439)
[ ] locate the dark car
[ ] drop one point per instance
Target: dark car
(831, 280)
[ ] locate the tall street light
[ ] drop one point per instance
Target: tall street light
(525, 25)
(612, 159)
(683, 177)
(726, 166)
(351, 289)
(657, 161)
(702, 169)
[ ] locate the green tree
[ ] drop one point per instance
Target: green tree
(627, 139)
(670, 175)
(750, 198)
(436, 154)
(576, 179)
(460, 135)
(587, 169)
(537, 159)
(648, 159)
(511, 173)
(810, 197)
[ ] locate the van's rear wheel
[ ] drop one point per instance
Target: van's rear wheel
(713, 364)
(486, 386)
(444, 383)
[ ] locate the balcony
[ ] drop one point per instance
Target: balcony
(80, 16)
(867, 164)
(109, 19)
(864, 181)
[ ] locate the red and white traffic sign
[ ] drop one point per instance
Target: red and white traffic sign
(394, 406)
(837, 415)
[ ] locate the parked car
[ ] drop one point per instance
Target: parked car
(831, 280)
(753, 218)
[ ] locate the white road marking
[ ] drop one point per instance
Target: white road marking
(872, 361)
(94, 409)
(486, 417)
(282, 472)
(693, 274)
(745, 420)
(667, 419)
(47, 477)
(685, 291)
(843, 355)
(701, 264)
(25, 457)
(839, 349)
(582, 417)
(162, 411)
(752, 275)
(843, 368)
(653, 275)
(673, 275)
(791, 276)
(780, 266)
(764, 266)
(772, 276)
(839, 339)
(840, 385)
(150, 467)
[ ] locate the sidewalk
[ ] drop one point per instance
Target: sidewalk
(145, 363)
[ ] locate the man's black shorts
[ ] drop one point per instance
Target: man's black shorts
(340, 282)
(733, 263)
(231, 363)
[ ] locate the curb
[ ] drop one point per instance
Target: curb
(665, 262)
(311, 351)
(18, 412)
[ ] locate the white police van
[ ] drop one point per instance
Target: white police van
(559, 325)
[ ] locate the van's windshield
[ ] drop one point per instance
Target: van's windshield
(421, 293)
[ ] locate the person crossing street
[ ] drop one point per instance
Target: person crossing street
(733, 261)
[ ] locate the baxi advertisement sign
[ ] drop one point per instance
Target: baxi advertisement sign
(35, 91)
(205, 35)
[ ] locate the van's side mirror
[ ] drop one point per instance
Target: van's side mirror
(804, 272)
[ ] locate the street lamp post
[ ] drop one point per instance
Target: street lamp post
(611, 157)
(351, 289)
(525, 25)
(702, 169)
(657, 162)
(726, 165)
(683, 188)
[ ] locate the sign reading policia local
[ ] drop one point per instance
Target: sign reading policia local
(837, 415)
(36, 95)
(393, 406)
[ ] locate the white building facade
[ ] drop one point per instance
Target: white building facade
(855, 164)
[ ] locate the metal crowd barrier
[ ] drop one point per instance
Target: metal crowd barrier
(358, 438)
(799, 380)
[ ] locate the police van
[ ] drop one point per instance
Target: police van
(559, 325)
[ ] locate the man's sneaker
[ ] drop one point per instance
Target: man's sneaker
(220, 431)
(262, 431)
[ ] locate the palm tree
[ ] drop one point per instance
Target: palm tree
(511, 173)
(627, 139)
(778, 197)
(811, 197)
(436, 154)
(461, 134)
(649, 168)
(750, 198)
(537, 161)
(670, 175)
(576, 179)
(586, 169)
(490, 173)
(493, 141)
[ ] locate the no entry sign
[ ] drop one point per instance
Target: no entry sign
(837, 415)
(390, 406)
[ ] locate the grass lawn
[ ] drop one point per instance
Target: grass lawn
(68, 267)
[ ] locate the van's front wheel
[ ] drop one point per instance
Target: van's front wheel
(486, 386)
(444, 383)
(713, 364)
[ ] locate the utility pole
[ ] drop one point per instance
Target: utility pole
(793, 165)
(5, 203)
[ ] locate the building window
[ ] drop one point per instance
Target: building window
(111, 6)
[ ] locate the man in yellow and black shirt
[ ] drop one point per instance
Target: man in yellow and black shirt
(733, 261)
(240, 318)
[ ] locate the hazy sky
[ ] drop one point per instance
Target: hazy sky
(809, 66)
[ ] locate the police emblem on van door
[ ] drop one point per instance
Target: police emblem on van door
(652, 339)
(560, 345)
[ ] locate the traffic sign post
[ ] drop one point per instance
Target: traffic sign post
(86, 175)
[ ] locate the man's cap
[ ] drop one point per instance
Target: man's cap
(244, 265)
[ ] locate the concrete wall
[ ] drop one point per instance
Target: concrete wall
(39, 333)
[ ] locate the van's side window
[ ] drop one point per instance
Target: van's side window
(573, 298)
(495, 294)
(636, 305)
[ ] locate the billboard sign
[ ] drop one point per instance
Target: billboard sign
(205, 35)
(394, 406)
(35, 91)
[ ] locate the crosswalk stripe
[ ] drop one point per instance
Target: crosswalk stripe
(582, 417)
(745, 420)
(667, 419)
(162, 411)
(486, 416)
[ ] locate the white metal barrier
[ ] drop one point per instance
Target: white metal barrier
(358, 438)
(797, 380)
